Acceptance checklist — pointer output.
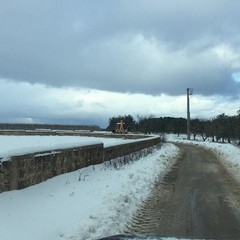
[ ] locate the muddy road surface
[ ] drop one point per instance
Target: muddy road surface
(196, 199)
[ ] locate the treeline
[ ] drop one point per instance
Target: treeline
(221, 128)
(150, 124)
(23, 126)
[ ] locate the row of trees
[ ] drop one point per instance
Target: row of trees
(150, 124)
(220, 128)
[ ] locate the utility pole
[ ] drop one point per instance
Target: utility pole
(189, 92)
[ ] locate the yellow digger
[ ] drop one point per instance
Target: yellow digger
(121, 128)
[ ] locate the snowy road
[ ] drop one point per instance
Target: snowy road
(196, 199)
(98, 201)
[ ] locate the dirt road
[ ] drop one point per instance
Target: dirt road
(196, 199)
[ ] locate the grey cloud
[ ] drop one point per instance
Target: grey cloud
(93, 44)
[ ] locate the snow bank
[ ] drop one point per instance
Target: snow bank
(86, 204)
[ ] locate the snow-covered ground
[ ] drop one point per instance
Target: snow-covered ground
(19, 145)
(90, 203)
(227, 153)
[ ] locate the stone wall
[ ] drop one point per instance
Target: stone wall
(126, 149)
(23, 171)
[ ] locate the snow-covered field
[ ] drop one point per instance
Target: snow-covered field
(19, 145)
(90, 203)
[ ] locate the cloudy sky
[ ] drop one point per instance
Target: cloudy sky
(83, 61)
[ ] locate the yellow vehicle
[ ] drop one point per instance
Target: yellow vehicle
(121, 127)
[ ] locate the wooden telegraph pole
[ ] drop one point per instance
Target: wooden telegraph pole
(189, 92)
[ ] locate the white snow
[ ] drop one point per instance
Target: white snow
(90, 203)
(20, 145)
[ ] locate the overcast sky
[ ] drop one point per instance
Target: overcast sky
(81, 62)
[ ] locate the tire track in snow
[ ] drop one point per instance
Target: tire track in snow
(146, 220)
(196, 199)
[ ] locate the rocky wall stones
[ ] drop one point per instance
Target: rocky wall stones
(26, 170)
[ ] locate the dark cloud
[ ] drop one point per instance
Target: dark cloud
(128, 46)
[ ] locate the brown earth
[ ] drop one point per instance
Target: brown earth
(196, 199)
